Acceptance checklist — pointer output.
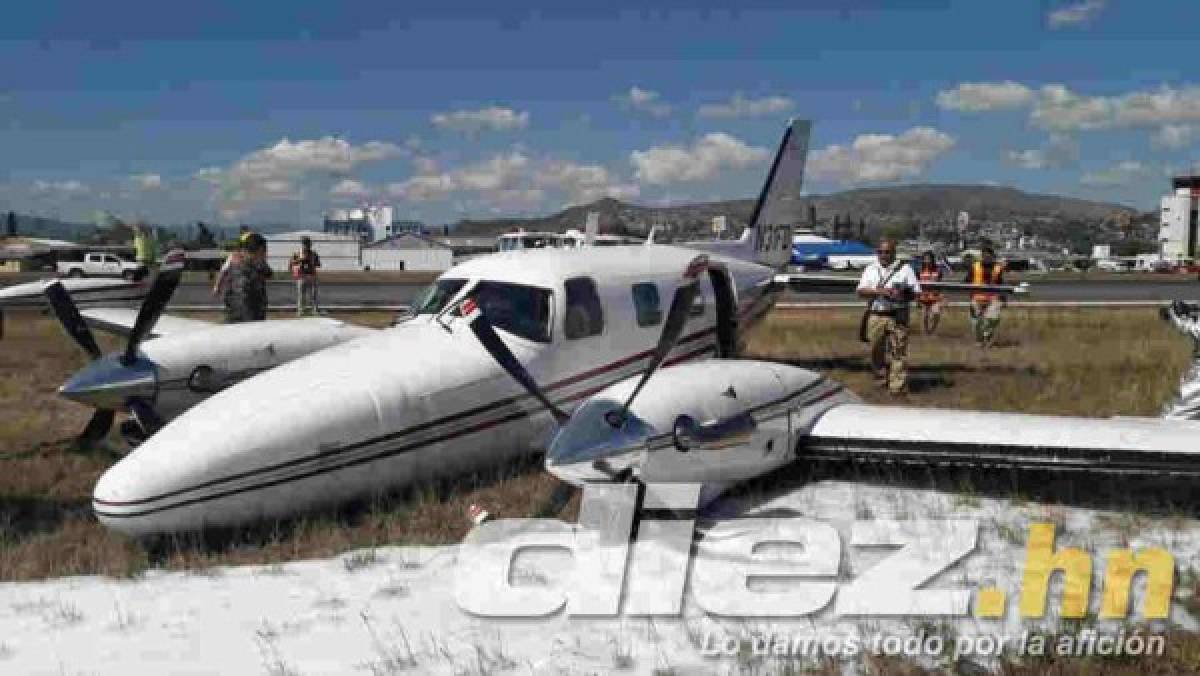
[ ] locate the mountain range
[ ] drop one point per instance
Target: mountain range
(878, 207)
(925, 204)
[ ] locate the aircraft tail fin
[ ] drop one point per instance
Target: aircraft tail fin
(779, 209)
(768, 238)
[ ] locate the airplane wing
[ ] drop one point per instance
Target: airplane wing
(940, 436)
(86, 291)
(817, 283)
(120, 320)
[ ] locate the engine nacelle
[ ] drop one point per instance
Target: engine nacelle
(715, 421)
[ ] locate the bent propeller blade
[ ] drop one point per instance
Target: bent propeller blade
(672, 330)
(151, 311)
(68, 315)
(490, 340)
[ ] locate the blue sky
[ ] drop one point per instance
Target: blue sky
(259, 112)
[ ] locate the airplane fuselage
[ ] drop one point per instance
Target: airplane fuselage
(424, 399)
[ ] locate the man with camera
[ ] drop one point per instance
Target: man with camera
(889, 285)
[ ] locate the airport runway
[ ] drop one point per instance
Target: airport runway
(350, 293)
(353, 293)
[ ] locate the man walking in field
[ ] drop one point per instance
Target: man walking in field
(890, 286)
(985, 307)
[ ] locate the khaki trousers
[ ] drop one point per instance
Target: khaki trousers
(306, 296)
(985, 317)
(889, 350)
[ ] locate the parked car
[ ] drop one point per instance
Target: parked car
(101, 265)
(1111, 265)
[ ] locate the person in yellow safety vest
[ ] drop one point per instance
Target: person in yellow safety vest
(985, 307)
(931, 301)
(145, 247)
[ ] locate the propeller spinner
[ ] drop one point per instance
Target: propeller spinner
(120, 380)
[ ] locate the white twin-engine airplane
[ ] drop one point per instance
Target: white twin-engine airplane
(495, 356)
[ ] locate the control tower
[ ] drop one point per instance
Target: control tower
(1178, 227)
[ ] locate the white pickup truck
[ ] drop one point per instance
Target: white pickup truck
(101, 265)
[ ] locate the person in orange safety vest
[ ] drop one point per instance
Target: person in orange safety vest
(985, 307)
(931, 301)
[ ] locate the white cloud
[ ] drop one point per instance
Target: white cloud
(583, 183)
(512, 180)
(881, 157)
(147, 181)
(1174, 136)
(1059, 152)
(981, 96)
(496, 175)
(1120, 174)
(280, 172)
(1075, 14)
(423, 188)
(703, 160)
(349, 188)
(1061, 109)
(1057, 108)
(645, 101)
(493, 118)
(740, 106)
(209, 175)
(71, 187)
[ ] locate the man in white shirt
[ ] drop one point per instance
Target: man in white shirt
(890, 286)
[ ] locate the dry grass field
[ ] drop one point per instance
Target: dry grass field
(1084, 362)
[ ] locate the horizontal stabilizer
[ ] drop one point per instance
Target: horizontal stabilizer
(978, 438)
(83, 291)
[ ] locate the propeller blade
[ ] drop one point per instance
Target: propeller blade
(98, 427)
(145, 416)
(672, 330)
(152, 308)
(486, 334)
(68, 315)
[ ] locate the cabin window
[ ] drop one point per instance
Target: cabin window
(437, 295)
(647, 304)
(584, 317)
(518, 309)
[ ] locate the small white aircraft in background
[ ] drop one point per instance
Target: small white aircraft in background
(90, 292)
(497, 353)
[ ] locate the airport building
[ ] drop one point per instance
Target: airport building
(408, 251)
(1178, 228)
(337, 251)
(369, 223)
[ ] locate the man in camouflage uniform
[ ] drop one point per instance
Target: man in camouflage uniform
(244, 282)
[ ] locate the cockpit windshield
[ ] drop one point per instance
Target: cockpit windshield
(518, 309)
(434, 298)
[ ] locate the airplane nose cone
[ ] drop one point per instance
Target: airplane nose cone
(345, 423)
(108, 383)
(588, 447)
